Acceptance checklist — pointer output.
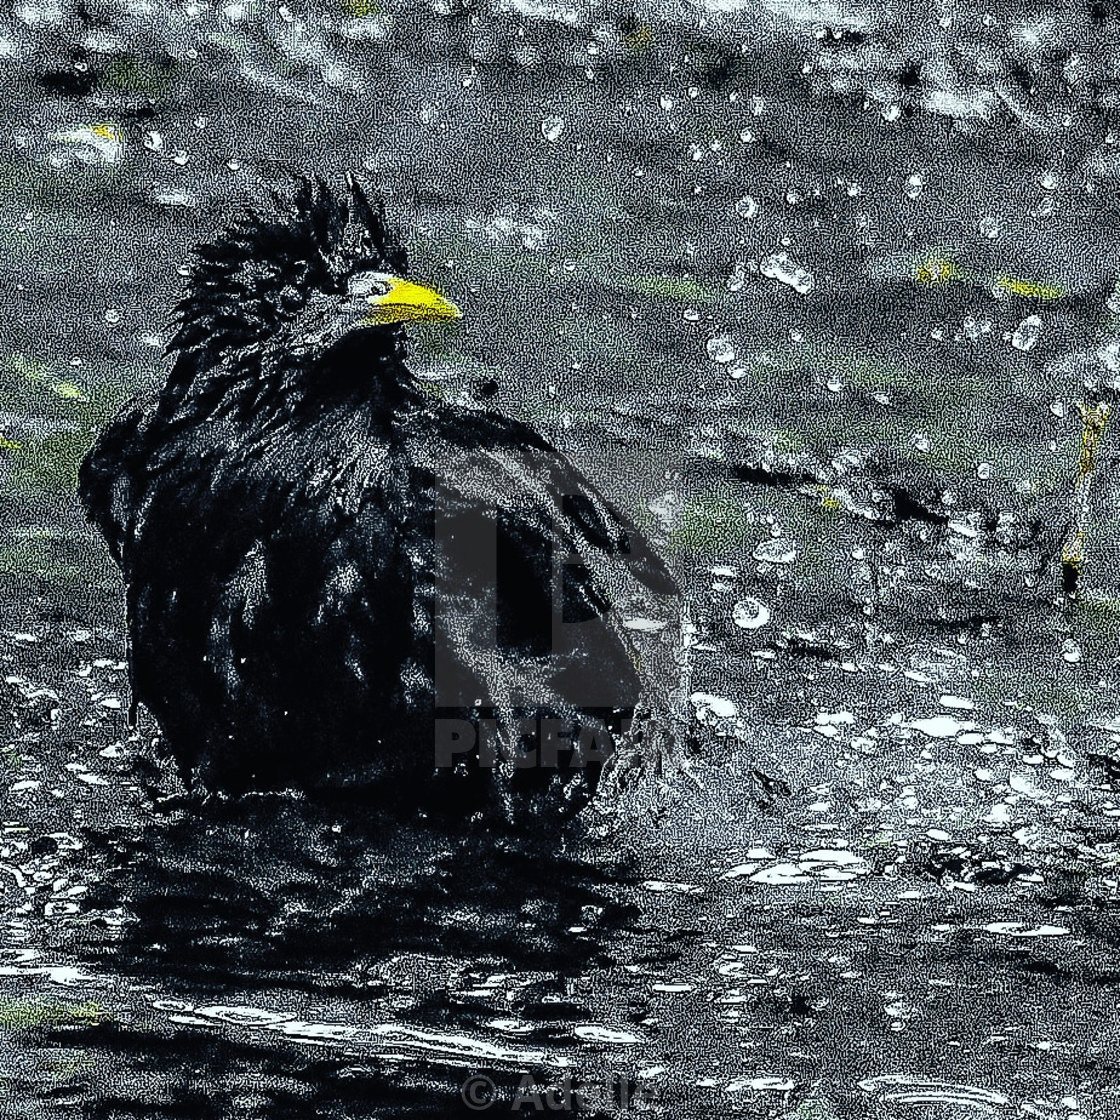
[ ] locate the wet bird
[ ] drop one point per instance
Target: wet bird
(332, 574)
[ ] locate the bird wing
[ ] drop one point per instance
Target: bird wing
(493, 461)
(533, 570)
(111, 475)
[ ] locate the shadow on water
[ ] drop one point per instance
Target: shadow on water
(323, 959)
(275, 889)
(158, 1076)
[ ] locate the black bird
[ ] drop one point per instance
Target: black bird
(335, 578)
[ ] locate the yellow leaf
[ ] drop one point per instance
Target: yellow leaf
(935, 269)
(1032, 289)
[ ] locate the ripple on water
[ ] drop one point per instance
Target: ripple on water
(905, 1089)
(1022, 929)
(821, 865)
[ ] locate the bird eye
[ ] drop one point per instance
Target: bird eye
(367, 285)
(289, 297)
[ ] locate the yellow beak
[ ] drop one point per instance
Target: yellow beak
(406, 302)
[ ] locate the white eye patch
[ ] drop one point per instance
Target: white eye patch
(369, 285)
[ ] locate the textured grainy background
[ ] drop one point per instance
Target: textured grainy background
(811, 290)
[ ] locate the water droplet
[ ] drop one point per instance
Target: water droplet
(1027, 333)
(984, 471)
(777, 550)
(1044, 209)
(834, 384)
(746, 207)
(533, 237)
(112, 315)
(937, 727)
(974, 329)
(780, 266)
(666, 102)
(690, 315)
(919, 441)
(721, 350)
(153, 141)
(1071, 651)
(914, 185)
(963, 703)
(1113, 300)
(711, 708)
(989, 227)
(1048, 180)
(1058, 409)
(180, 158)
(552, 128)
(750, 614)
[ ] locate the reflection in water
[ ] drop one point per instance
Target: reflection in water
(295, 891)
(348, 955)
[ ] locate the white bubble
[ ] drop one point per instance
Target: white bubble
(989, 227)
(746, 207)
(780, 266)
(1027, 333)
(720, 350)
(710, 708)
(552, 128)
(750, 614)
(777, 550)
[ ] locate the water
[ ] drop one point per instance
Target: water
(815, 291)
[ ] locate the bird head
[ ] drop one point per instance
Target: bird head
(297, 282)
